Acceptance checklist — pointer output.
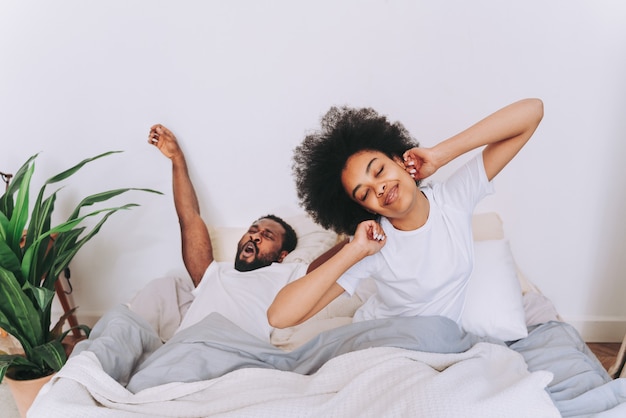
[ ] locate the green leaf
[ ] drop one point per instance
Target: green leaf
(40, 217)
(64, 258)
(19, 217)
(30, 263)
(4, 226)
(4, 365)
(19, 363)
(70, 171)
(56, 260)
(84, 328)
(49, 355)
(8, 259)
(42, 296)
(6, 201)
(18, 315)
(101, 197)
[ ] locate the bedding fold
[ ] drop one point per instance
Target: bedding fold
(215, 346)
(344, 372)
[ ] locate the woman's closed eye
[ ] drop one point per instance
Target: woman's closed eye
(377, 174)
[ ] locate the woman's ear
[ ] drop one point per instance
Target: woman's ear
(398, 160)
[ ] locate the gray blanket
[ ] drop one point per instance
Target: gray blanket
(581, 386)
(215, 346)
(133, 354)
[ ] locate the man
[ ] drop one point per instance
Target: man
(243, 292)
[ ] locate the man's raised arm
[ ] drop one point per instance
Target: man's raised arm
(195, 240)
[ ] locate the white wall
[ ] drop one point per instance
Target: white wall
(240, 82)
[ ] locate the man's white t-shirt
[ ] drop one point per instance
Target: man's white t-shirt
(241, 297)
(425, 271)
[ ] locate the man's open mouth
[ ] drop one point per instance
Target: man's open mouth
(249, 249)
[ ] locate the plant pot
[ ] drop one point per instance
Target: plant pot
(25, 391)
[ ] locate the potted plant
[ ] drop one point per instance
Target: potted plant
(32, 255)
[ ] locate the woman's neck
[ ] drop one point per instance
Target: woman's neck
(417, 215)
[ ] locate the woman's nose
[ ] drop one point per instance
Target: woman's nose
(381, 190)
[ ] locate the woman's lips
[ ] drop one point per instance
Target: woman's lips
(391, 196)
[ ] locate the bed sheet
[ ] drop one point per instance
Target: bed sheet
(94, 384)
(347, 369)
(215, 369)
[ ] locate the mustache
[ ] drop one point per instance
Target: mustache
(254, 244)
(256, 247)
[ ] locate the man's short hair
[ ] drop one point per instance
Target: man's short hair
(291, 239)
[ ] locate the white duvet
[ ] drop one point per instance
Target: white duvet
(486, 381)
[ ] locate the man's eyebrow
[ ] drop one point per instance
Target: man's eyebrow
(367, 171)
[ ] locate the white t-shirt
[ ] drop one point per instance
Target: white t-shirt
(425, 271)
(242, 297)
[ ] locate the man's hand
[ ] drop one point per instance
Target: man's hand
(164, 140)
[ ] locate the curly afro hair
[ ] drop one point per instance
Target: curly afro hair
(321, 157)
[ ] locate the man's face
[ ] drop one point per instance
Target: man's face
(260, 246)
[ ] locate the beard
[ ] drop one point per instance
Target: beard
(257, 262)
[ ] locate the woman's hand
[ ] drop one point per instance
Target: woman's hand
(420, 162)
(369, 237)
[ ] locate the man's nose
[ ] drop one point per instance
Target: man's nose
(255, 236)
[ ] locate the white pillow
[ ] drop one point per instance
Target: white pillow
(313, 240)
(486, 226)
(494, 305)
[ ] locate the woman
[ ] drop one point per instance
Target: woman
(361, 173)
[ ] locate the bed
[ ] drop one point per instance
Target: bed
(513, 357)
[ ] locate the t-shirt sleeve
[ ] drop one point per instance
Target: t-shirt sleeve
(351, 279)
(467, 186)
(349, 283)
(212, 266)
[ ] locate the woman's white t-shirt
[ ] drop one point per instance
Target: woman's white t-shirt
(425, 271)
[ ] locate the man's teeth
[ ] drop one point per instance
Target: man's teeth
(249, 248)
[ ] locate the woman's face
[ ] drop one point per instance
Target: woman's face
(379, 184)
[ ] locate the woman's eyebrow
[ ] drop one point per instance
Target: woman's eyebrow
(369, 165)
(367, 171)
